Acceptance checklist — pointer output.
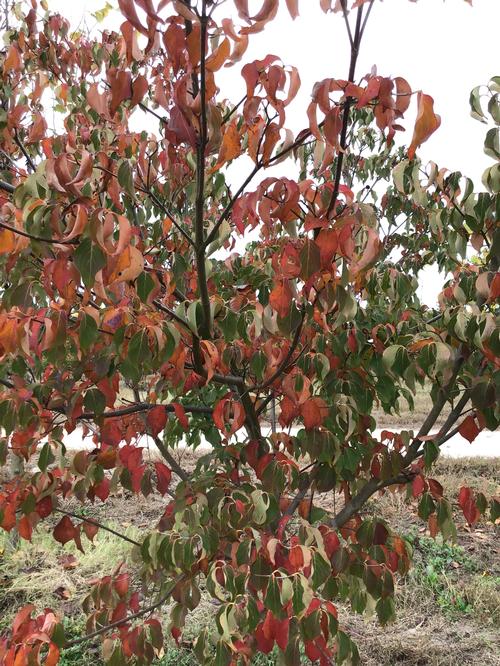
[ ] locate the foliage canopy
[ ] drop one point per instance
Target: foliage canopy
(130, 309)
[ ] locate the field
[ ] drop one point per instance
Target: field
(448, 606)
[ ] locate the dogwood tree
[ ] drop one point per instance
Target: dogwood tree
(137, 307)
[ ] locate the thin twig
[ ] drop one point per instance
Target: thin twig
(92, 521)
(129, 618)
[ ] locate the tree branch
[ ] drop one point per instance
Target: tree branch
(206, 327)
(355, 44)
(41, 239)
(170, 459)
(129, 618)
(143, 407)
(85, 519)
(7, 187)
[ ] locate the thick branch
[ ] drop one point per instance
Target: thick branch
(143, 407)
(171, 460)
(206, 328)
(358, 501)
(355, 44)
(7, 187)
(442, 398)
(373, 485)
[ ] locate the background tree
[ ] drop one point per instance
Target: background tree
(109, 243)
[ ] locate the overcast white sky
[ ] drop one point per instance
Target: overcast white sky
(443, 48)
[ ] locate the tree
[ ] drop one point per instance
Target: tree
(117, 317)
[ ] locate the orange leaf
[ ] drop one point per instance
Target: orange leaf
(293, 8)
(129, 265)
(313, 411)
(53, 655)
(128, 10)
(219, 56)
(228, 412)
(426, 123)
(84, 170)
(230, 147)
(280, 299)
(13, 60)
(7, 241)
(97, 101)
(24, 528)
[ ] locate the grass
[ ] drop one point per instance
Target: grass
(448, 606)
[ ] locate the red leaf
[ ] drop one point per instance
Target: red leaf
(157, 419)
(84, 170)
(22, 616)
(468, 505)
(418, 485)
(469, 429)
(163, 477)
(176, 634)
(426, 123)
(229, 412)
(121, 584)
(280, 631)
(352, 342)
(296, 558)
(290, 262)
(264, 644)
(44, 507)
(332, 543)
(101, 490)
(111, 432)
(436, 488)
(139, 88)
(495, 287)
(180, 413)
(328, 242)
(64, 531)
(90, 530)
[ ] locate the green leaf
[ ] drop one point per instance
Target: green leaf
(126, 178)
(476, 110)
(426, 506)
(145, 285)
(89, 259)
(431, 452)
(321, 570)
(94, 401)
(138, 349)
(46, 457)
(385, 610)
(88, 331)
(272, 599)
